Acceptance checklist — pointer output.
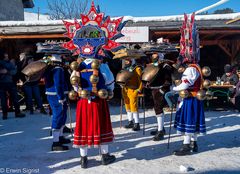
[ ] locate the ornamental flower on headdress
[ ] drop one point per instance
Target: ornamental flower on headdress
(189, 42)
(93, 34)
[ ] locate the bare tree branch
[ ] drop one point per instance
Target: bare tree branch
(67, 9)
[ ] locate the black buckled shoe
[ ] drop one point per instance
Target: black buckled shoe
(136, 127)
(194, 146)
(159, 136)
(184, 150)
(67, 130)
(57, 146)
(155, 131)
(107, 159)
(64, 140)
(84, 162)
(129, 125)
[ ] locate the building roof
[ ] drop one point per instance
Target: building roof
(158, 24)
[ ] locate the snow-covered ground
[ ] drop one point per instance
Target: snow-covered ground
(25, 148)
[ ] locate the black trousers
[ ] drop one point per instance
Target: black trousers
(11, 88)
(159, 102)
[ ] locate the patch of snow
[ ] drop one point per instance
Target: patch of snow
(28, 16)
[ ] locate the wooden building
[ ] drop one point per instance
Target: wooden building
(219, 35)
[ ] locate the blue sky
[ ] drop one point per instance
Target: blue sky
(148, 7)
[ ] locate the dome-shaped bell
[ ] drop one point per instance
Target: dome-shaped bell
(201, 95)
(94, 79)
(177, 82)
(110, 94)
(95, 64)
(206, 83)
(184, 93)
(206, 71)
(75, 80)
(83, 93)
(209, 95)
(72, 95)
(74, 66)
(103, 93)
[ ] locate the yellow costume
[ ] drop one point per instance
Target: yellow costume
(131, 90)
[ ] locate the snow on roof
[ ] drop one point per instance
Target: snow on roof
(46, 21)
(28, 16)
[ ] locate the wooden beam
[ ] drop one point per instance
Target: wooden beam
(222, 31)
(30, 36)
(225, 49)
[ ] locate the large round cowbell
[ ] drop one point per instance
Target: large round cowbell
(123, 77)
(150, 73)
(201, 95)
(206, 71)
(184, 93)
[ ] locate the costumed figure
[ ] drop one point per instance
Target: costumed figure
(92, 80)
(157, 77)
(130, 92)
(56, 91)
(190, 118)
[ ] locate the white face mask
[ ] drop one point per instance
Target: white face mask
(22, 56)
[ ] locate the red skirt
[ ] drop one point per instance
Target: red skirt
(93, 123)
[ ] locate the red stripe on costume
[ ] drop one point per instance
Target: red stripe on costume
(186, 81)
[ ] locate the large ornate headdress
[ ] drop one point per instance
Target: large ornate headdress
(94, 34)
(189, 42)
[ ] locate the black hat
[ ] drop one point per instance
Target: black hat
(227, 68)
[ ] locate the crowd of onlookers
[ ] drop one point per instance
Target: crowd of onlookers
(10, 75)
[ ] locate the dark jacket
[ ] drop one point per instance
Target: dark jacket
(11, 71)
(232, 79)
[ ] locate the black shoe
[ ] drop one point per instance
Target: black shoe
(64, 140)
(129, 125)
(184, 150)
(19, 115)
(57, 146)
(194, 146)
(67, 130)
(84, 162)
(155, 131)
(136, 127)
(159, 136)
(107, 159)
(4, 117)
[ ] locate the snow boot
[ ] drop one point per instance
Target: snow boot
(136, 127)
(184, 150)
(129, 125)
(57, 146)
(67, 130)
(155, 131)
(64, 140)
(107, 159)
(194, 146)
(84, 162)
(159, 136)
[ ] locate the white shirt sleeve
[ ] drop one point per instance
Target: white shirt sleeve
(107, 75)
(190, 75)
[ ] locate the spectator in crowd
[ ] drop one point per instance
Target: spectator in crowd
(30, 88)
(229, 77)
(7, 71)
